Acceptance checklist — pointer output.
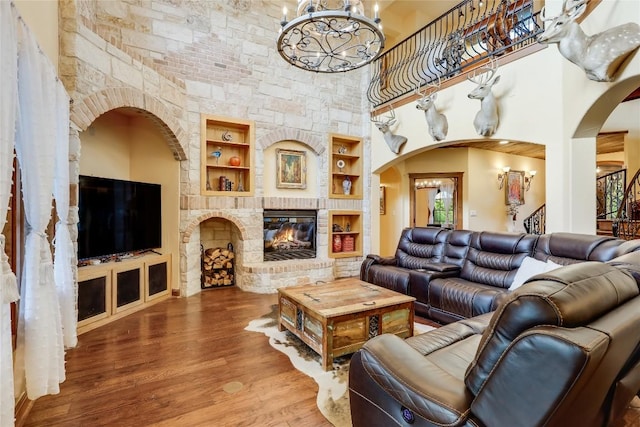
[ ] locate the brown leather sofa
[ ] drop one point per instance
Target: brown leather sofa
(561, 350)
(458, 274)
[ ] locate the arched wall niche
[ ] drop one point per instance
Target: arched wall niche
(85, 111)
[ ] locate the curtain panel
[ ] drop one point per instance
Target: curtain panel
(8, 286)
(40, 352)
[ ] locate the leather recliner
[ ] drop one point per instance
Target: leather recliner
(562, 350)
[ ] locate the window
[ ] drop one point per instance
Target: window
(444, 208)
(436, 199)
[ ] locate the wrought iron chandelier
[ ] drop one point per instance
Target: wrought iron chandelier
(330, 36)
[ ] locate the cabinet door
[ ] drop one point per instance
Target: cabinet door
(94, 296)
(158, 277)
(127, 288)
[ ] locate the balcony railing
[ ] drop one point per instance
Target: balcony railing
(459, 40)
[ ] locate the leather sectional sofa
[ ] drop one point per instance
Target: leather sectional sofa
(459, 274)
(561, 350)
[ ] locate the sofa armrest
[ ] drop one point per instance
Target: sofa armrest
(387, 370)
(441, 267)
(371, 260)
(377, 259)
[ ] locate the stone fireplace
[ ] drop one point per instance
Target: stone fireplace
(289, 234)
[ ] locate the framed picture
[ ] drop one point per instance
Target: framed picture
(514, 188)
(383, 200)
(291, 168)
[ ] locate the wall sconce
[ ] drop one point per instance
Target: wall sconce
(529, 179)
(502, 176)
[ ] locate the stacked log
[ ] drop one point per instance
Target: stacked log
(217, 266)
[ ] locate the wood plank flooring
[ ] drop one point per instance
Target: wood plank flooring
(170, 364)
(188, 362)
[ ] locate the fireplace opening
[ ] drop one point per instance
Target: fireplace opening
(289, 235)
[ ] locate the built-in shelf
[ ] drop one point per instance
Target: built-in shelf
(345, 226)
(345, 163)
(227, 156)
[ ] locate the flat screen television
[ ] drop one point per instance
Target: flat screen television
(117, 216)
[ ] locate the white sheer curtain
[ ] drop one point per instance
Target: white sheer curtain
(63, 244)
(431, 200)
(8, 287)
(447, 187)
(40, 359)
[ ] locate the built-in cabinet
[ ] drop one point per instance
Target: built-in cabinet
(345, 167)
(227, 159)
(109, 291)
(345, 234)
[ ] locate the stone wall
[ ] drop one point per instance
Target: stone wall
(179, 59)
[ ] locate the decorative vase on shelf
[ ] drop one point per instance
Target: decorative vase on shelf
(234, 161)
(346, 186)
(337, 243)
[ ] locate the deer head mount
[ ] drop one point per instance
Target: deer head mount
(487, 119)
(437, 122)
(395, 142)
(599, 55)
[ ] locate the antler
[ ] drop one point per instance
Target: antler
(574, 8)
(570, 8)
(488, 71)
(426, 93)
(393, 114)
(372, 116)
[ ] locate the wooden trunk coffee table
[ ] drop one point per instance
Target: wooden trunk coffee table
(337, 318)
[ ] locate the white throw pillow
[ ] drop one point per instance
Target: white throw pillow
(529, 267)
(552, 265)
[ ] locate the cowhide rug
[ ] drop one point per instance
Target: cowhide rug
(333, 394)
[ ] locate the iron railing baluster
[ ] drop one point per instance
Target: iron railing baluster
(457, 41)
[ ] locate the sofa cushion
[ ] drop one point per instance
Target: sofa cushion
(494, 258)
(462, 297)
(571, 248)
(529, 268)
(569, 297)
(420, 246)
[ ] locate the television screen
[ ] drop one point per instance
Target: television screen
(117, 216)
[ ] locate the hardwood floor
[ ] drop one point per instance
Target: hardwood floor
(188, 362)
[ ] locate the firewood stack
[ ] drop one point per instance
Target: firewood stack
(217, 267)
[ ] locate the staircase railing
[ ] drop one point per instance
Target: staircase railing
(459, 40)
(536, 223)
(610, 189)
(627, 223)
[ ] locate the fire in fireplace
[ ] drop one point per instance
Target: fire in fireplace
(289, 235)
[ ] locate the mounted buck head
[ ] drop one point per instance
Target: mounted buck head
(599, 55)
(395, 142)
(487, 119)
(559, 27)
(438, 125)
